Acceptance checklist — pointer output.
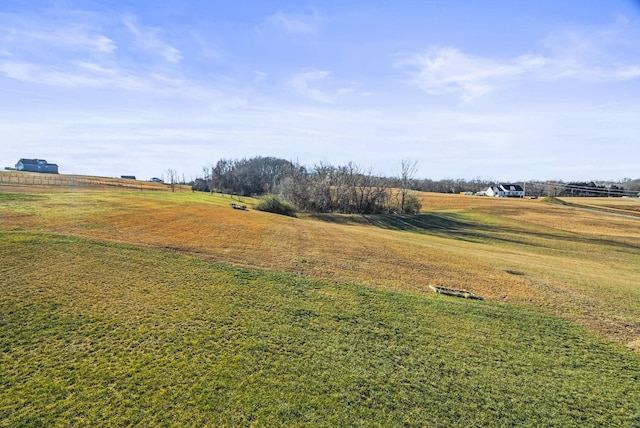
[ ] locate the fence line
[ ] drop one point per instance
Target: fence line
(40, 179)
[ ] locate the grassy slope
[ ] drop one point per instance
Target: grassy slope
(625, 206)
(47, 183)
(581, 265)
(344, 334)
(96, 333)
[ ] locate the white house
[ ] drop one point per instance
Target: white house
(505, 191)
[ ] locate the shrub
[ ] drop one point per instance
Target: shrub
(412, 205)
(272, 204)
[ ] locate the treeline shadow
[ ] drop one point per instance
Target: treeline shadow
(461, 227)
(451, 225)
(445, 224)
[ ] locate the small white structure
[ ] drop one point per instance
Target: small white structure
(505, 191)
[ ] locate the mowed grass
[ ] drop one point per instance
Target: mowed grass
(628, 204)
(96, 333)
(580, 265)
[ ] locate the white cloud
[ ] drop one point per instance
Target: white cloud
(259, 76)
(604, 44)
(105, 44)
(443, 70)
(207, 49)
(23, 36)
(308, 24)
(75, 75)
(61, 53)
(17, 70)
(150, 40)
(80, 37)
(317, 85)
(82, 74)
(629, 72)
(578, 54)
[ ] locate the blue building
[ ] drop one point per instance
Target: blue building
(36, 165)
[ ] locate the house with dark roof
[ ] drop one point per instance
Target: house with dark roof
(505, 191)
(36, 165)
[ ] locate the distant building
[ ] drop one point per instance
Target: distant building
(128, 177)
(505, 191)
(157, 180)
(37, 165)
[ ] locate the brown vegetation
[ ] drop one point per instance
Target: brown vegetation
(579, 264)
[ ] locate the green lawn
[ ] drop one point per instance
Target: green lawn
(103, 334)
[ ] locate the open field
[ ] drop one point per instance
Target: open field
(581, 265)
(97, 334)
(158, 303)
(624, 206)
(37, 182)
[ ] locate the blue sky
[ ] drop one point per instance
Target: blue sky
(499, 90)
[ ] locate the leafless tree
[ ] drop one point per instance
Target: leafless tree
(408, 171)
(171, 176)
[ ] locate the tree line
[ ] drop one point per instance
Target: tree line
(324, 188)
(351, 189)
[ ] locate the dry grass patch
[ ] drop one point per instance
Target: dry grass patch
(21, 181)
(628, 206)
(581, 265)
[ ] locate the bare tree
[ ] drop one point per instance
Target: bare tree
(408, 171)
(171, 177)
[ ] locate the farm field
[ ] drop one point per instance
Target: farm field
(158, 308)
(625, 206)
(581, 265)
(37, 182)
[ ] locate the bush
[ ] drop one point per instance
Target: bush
(272, 204)
(412, 205)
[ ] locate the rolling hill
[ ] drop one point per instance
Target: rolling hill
(143, 307)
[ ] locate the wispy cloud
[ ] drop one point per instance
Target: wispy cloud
(629, 72)
(297, 24)
(207, 49)
(259, 76)
(20, 38)
(77, 75)
(446, 70)
(150, 40)
(75, 56)
(318, 85)
(569, 54)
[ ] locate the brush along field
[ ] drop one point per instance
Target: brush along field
(162, 308)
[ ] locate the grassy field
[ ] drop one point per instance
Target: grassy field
(623, 206)
(37, 182)
(160, 308)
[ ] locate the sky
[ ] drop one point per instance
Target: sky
(497, 89)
